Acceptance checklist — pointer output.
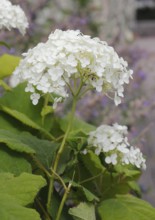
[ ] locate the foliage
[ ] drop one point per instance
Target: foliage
(126, 207)
(18, 192)
(48, 168)
(29, 146)
(5, 69)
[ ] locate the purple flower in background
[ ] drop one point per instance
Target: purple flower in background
(141, 74)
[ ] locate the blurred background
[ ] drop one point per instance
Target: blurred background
(127, 25)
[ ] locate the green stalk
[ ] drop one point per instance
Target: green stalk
(5, 86)
(63, 202)
(91, 178)
(65, 136)
(59, 153)
(45, 104)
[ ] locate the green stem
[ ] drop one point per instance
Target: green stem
(47, 134)
(40, 166)
(50, 192)
(59, 153)
(91, 178)
(65, 136)
(85, 91)
(5, 86)
(79, 89)
(69, 86)
(45, 104)
(63, 201)
(46, 215)
(59, 178)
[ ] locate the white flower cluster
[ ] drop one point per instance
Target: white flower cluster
(12, 16)
(112, 141)
(49, 66)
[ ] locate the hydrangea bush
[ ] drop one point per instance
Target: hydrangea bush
(62, 168)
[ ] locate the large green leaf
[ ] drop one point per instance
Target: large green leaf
(127, 208)
(84, 211)
(25, 120)
(23, 188)
(25, 142)
(17, 103)
(21, 117)
(17, 192)
(19, 100)
(8, 63)
(11, 210)
(14, 142)
(13, 162)
(8, 123)
(45, 150)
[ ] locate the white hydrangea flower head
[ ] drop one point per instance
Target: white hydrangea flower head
(49, 66)
(12, 16)
(112, 141)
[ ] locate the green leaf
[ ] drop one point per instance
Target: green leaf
(13, 141)
(18, 101)
(25, 120)
(135, 187)
(89, 196)
(8, 63)
(46, 110)
(84, 211)
(91, 172)
(25, 142)
(17, 192)
(128, 171)
(13, 162)
(92, 163)
(45, 150)
(64, 161)
(87, 193)
(78, 126)
(2, 43)
(23, 188)
(20, 116)
(11, 210)
(8, 123)
(126, 207)
(107, 184)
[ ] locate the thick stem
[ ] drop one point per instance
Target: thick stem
(63, 202)
(50, 192)
(65, 137)
(59, 153)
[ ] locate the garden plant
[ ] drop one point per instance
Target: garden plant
(63, 168)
